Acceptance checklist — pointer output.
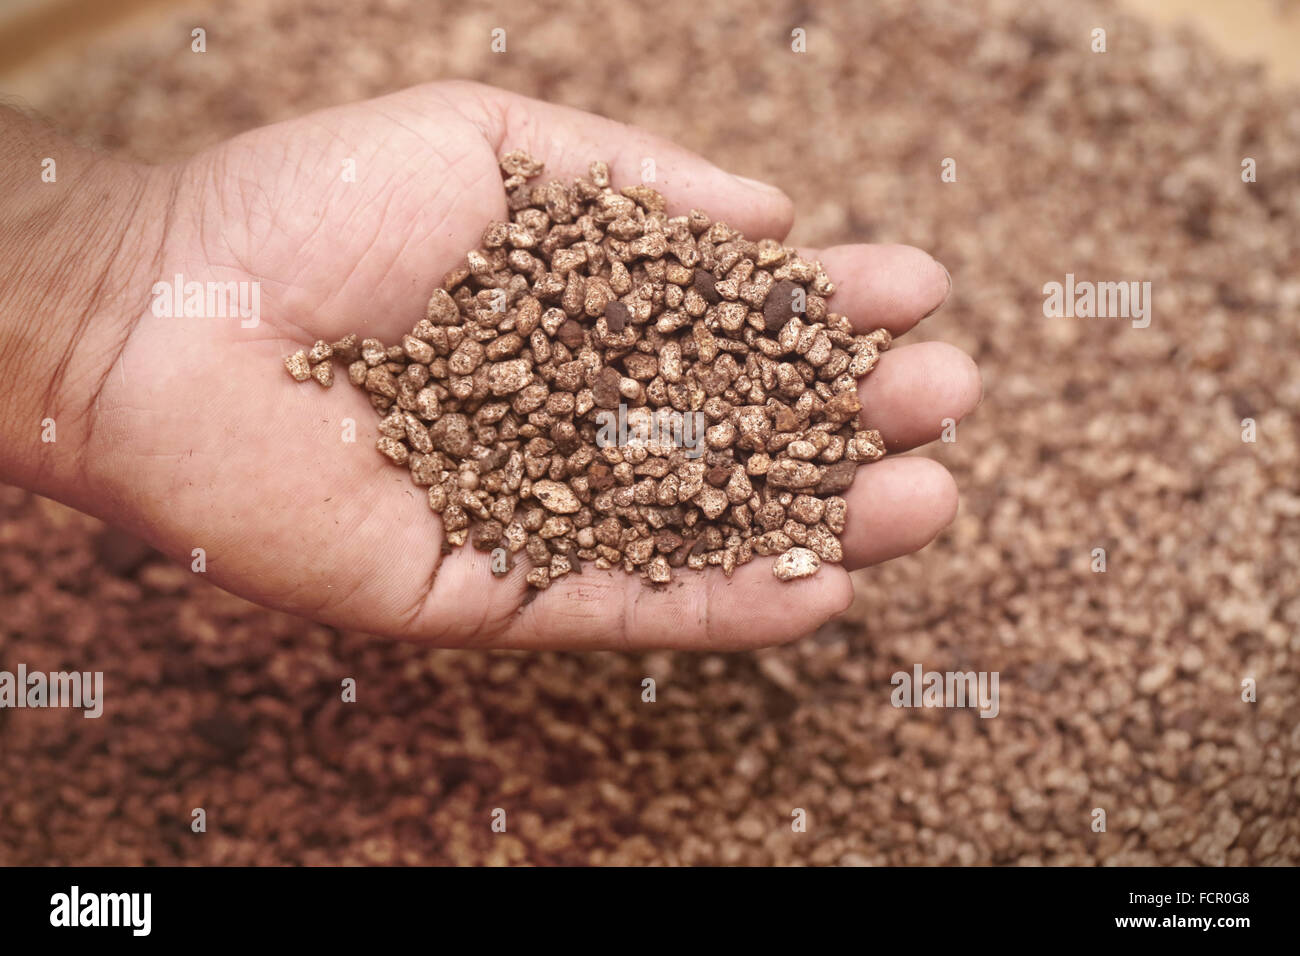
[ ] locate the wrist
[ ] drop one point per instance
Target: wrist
(81, 239)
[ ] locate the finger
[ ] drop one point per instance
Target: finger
(913, 389)
(567, 140)
(698, 610)
(883, 286)
(896, 506)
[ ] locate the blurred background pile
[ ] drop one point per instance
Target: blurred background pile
(1119, 690)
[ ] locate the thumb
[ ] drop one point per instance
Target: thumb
(567, 140)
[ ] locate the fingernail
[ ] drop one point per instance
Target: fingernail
(948, 276)
(755, 184)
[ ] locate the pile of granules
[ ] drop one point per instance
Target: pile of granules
(602, 382)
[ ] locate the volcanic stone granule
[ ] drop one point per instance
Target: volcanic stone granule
(591, 311)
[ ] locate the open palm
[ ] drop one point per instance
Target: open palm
(347, 219)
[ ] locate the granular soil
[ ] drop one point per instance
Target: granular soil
(601, 382)
(1120, 690)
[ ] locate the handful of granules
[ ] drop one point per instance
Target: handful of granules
(603, 383)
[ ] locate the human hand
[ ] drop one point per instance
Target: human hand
(187, 432)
